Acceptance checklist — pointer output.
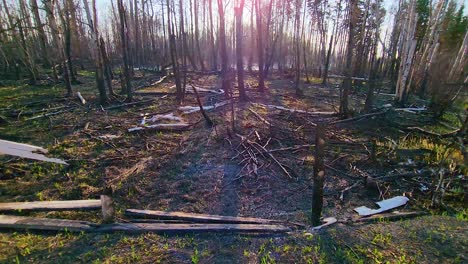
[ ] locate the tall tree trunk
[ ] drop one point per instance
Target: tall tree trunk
(252, 38)
(239, 39)
(223, 50)
(49, 9)
(327, 62)
(124, 43)
(93, 24)
(214, 59)
(107, 67)
(173, 52)
(344, 111)
(260, 48)
(65, 18)
(197, 37)
(41, 33)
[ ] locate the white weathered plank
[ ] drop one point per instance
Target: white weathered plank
(32, 223)
(26, 151)
(51, 205)
(200, 218)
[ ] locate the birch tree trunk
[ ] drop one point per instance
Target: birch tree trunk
(95, 51)
(124, 44)
(49, 9)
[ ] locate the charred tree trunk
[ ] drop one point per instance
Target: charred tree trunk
(319, 175)
(344, 111)
(239, 54)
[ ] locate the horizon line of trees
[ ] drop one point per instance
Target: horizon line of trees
(423, 49)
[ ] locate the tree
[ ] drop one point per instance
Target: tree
(124, 44)
(239, 38)
(260, 51)
(49, 9)
(93, 25)
(352, 8)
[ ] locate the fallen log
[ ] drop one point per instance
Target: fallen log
(166, 127)
(160, 80)
(51, 205)
(296, 110)
(197, 218)
(343, 77)
(129, 104)
(395, 216)
(204, 90)
(357, 118)
(83, 101)
(193, 109)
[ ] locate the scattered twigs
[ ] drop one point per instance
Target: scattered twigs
(342, 193)
(292, 148)
(104, 142)
(50, 114)
(259, 117)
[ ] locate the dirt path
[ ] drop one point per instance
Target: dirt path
(230, 197)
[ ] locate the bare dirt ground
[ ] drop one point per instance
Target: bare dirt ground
(208, 170)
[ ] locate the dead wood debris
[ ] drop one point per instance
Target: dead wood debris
(250, 153)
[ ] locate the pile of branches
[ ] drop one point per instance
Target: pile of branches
(253, 155)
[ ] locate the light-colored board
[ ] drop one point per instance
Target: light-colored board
(52, 205)
(198, 218)
(32, 223)
(26, 151)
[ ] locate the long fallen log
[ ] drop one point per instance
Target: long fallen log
(129, 104)
(32, 223)
(389, 217)
(357, 118)
(166, 127)
(52, 205)
(192, 109)
(278, 107)
(197, 218)
(343, 77)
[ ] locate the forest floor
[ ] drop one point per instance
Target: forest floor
(206, 170)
